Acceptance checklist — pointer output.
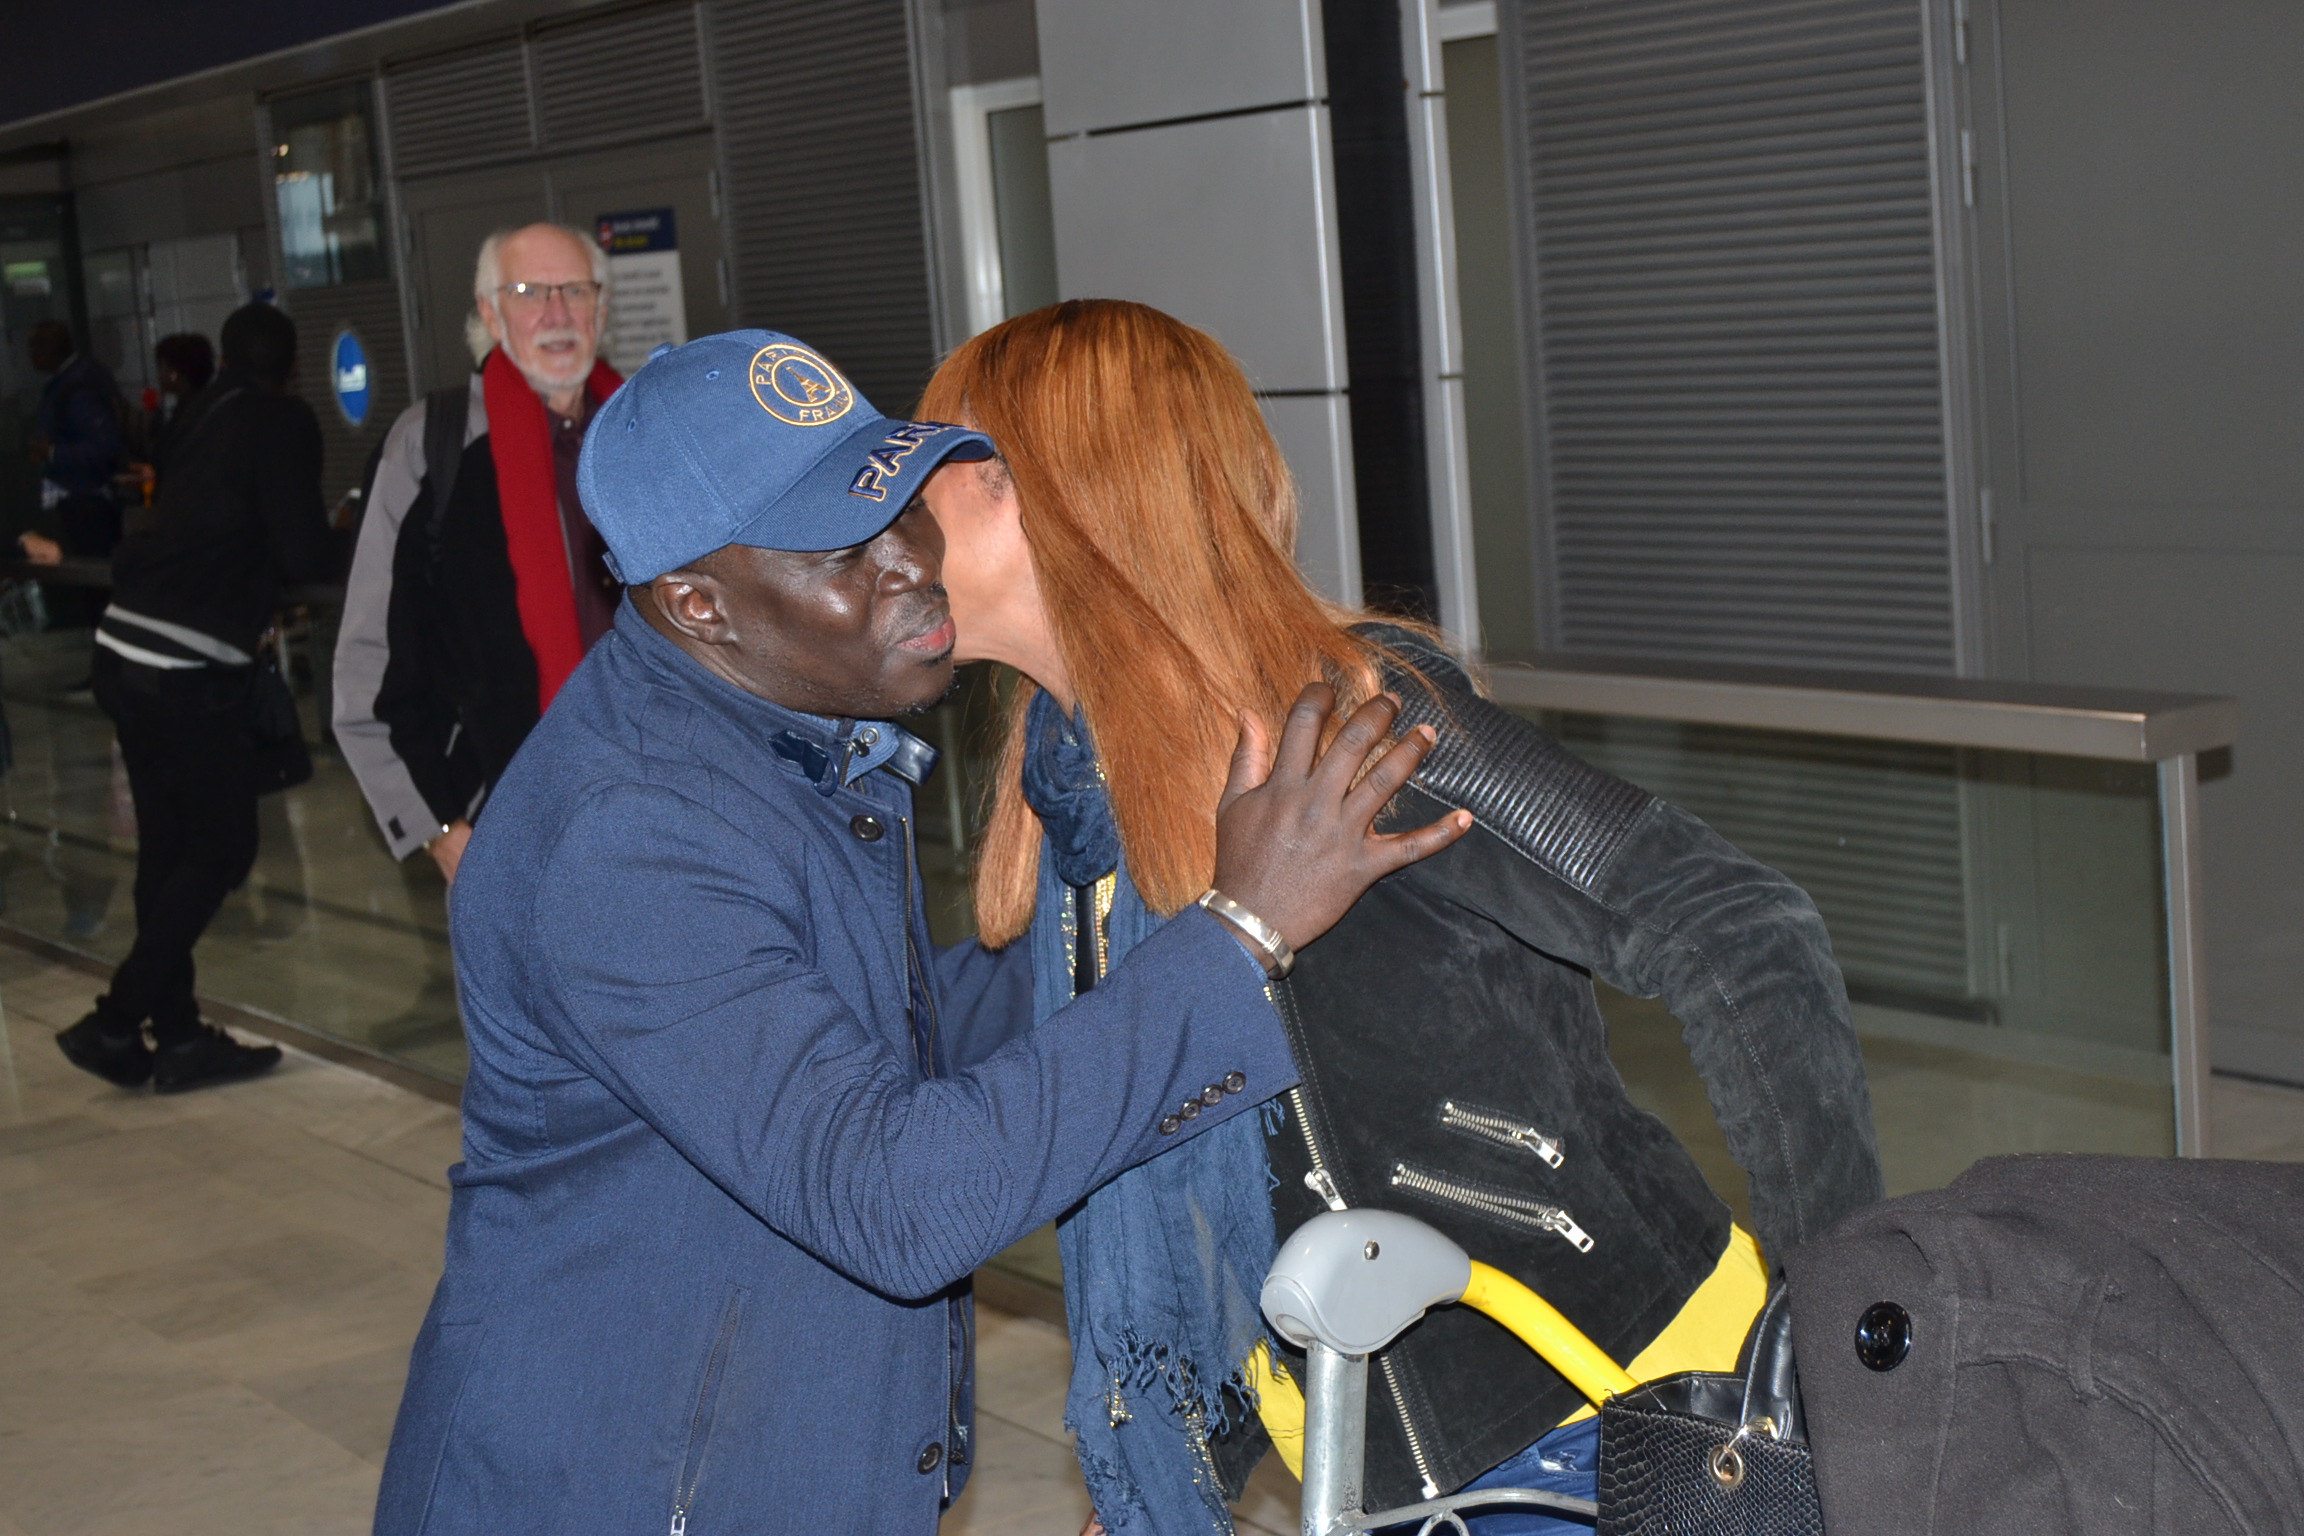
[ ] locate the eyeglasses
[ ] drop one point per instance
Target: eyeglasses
(580, 296)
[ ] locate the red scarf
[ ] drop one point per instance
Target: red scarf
(520, 441)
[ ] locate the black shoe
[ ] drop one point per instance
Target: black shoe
(122, 1059)
(211, 1056)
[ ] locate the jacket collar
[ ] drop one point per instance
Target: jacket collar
(830, 754)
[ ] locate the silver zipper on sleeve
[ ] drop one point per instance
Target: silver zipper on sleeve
(1504, 1207)
(1323, 1183)
(1490, 1126)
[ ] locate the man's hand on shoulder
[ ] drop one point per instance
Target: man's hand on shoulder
(1296, 843)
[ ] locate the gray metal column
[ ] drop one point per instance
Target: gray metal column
(1189, 168)
(1446, 456)
(2187, 950)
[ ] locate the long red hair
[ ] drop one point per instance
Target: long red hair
(1162, 521)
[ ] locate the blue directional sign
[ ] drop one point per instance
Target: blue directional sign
(348, 376)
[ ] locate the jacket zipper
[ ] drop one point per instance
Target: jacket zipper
(1100, 921)
(700, 1422)
(1088, 932)
(1323, 1183)
(916, 974)
(1431, 1489)
(1491, 1126)
(1504, 1207)
(916, 978)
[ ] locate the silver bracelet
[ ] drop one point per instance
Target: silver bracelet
(1279, 959)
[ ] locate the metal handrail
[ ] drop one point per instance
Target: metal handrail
(2124, 724)
(2169, 730)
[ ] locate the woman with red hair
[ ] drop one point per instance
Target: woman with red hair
(1129, 554)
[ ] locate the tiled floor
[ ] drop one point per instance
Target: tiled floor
(208, 1302)
(209, 1299)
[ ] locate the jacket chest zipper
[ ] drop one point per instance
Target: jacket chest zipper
(1504, 1207)
(1322, 1182)
(1504, 1131)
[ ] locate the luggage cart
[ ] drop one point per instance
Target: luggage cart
(1344, 1286)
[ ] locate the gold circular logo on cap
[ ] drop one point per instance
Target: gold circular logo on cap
(797, 387)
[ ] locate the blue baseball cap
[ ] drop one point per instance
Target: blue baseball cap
(749, 437)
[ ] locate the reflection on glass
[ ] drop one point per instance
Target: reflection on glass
(329, 933)
(1998, 917)
(35, 285)
(324, 184)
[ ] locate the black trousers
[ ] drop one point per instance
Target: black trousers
(191, 767)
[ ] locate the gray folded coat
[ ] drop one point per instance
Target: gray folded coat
(2061, 1344)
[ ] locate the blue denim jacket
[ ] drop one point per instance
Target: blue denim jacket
(735, 1134)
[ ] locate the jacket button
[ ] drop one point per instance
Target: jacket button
(1170, 1125)
(1883, 1336)
(1212, 1095)
(867, 828)
(1189, 1109)
(1235, 1081)
(932, 1458)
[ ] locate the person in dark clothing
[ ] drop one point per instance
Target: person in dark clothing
(186, 363)
(77, 441)
(195, 583)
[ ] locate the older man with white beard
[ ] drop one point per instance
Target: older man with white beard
(479, 583)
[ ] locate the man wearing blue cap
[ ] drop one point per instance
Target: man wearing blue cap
(735, 1133)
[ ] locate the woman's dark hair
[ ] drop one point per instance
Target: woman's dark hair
(190, 355)
(262, 341)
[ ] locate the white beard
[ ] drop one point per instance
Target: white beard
(547, 375)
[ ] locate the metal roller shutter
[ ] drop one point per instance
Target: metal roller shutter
(635, 72)
(1729, 261)
(1870, 829)
(459, 109)
(819, 138)
(1733, 306)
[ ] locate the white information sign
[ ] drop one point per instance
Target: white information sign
(647, 308)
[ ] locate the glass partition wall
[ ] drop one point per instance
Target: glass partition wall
(330, 934)
(1999, 916)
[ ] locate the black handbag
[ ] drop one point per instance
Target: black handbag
(1713, 1454)
(283, 760)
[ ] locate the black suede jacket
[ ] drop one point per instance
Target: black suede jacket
(1455, 1067)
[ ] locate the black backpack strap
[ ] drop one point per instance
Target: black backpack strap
(444, 413)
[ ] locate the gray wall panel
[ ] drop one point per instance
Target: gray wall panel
(2155, 232)
(1315, 436)
(2142, 383)
(372, 309)
(211, 198)
(1220, 223)
(1110, 63)
(139, 143)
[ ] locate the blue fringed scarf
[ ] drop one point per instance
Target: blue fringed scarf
(1161, 1266)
